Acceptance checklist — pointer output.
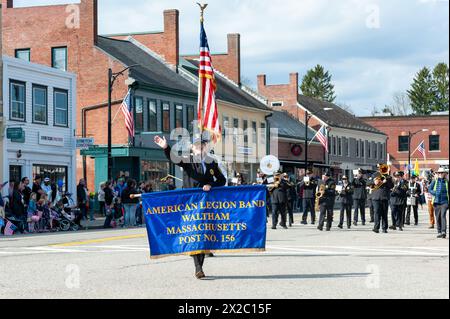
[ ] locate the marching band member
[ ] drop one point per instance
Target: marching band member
(397, 195)
(402, 176)
(279, 200)
(326, 201)
(346, 204)
(414, 192)
(381, 186)
(359, 197)
(309, 196)
(199, 171)
(290, 198)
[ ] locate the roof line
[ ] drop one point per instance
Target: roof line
(130, 33)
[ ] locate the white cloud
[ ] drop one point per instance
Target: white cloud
(278, 37)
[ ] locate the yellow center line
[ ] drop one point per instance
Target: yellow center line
(100, 240)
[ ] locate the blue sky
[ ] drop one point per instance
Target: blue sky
(372, 48)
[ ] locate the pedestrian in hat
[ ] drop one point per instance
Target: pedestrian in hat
(439, 188)
(200, 170)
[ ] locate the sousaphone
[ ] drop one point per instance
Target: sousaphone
(270, 165)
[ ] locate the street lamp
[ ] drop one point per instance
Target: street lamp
(410, 136)
(112, 77)
(308, 116)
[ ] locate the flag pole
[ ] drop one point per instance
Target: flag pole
(202, 10)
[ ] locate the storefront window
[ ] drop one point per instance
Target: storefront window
(57, 174)
(153, 171)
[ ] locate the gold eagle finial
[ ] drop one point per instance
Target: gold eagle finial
(202, 9)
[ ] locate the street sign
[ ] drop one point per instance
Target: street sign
(15, 133)
(84, 143)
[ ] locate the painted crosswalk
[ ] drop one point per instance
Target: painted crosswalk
(287, 250)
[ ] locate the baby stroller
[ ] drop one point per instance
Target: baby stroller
(66, 221)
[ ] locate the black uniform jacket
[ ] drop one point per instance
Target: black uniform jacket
(383, 192)
(309, 191)
(280, 194)
(329, 196)
(194, 177)
(359, 185)
(398, 193)
(347, 194)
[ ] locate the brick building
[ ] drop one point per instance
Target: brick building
(397, 129)
(352, 143)
(66, 37)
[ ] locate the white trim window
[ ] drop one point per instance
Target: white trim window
(40, 108)
(61, 107)
(17, 101)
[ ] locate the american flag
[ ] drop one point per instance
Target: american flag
(127, 111)
(9, 229)
(421, 149)
(208, 115)
(322, 136)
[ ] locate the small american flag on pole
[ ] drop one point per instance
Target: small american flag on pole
(322, 136)
(208, 115)
(9, 229)
(127, 111)
(421, 149)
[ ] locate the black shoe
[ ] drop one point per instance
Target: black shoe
(444, 236)
(364, 223)
(340, 226)
(440, 236)
(376, 231)
(210, 255)
(274, 228)
(392, 228)
(416, 224)
(200, 274)
(328, 229)
(290, 224)
(320, 228)
(385, 231)
(431, 227)
(355, 224)
(372, 221)
(349, 227)
(408, 223)
(400, 228)
(284, 227)
(304, 223)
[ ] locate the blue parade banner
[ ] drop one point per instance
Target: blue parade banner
(191, 221)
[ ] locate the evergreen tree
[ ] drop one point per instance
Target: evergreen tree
(317, 83)
(441, 87)
(422, 93)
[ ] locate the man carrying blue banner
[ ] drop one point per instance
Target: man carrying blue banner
(200, 171)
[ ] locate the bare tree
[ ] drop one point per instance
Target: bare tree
(401, 105)
(346, 107)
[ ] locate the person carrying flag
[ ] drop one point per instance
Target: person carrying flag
(199, 171)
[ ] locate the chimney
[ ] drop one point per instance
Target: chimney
(234, 53)
(171, 36)
(89, 18)
(294, 82)
(261, 82)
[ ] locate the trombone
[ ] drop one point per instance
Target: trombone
(383, 169)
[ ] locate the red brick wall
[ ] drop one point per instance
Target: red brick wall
(286, 93)
(40, 29)
(167, 43)
(394, 126)
(230, 63)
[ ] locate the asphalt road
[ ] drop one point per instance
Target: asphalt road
(299, 263)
